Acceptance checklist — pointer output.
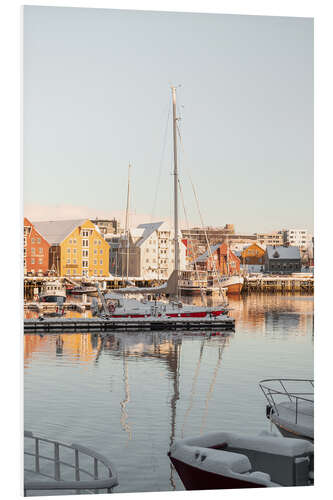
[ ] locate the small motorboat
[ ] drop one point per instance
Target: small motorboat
(230, 460)
(53, 291)
(290, 406)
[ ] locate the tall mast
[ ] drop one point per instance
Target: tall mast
(126, 221)
(175, 173)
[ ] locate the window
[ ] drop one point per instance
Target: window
(68, 250)
(32, 240)
(84, 263)
(101, 252)
(74, 242)
(40, 250)
(101, 262)
(68, 261)
(95, 262)
(74, 271)
(40, 261)
(38, 240)
(74, 261)
(85, 234)
(33, 251)
(95, 252)
(68, 271)
(95, 242)
(84, 253)
(70, 242)
(74, 250)
(99, 242)
(32, 261)
(101, 272)
(95, 272)
(85, 243)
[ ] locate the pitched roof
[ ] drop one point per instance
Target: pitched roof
(206, 255)
(56, 231)
(149, 229)
(281, 252)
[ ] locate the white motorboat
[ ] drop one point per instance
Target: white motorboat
(230, 460)
(290, 406)
(53, 291)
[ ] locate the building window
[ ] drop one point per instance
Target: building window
(70, 242)
(74, 271)
(74, 261)
(40, 261)
(101, 272)
(101, 262)
(33, 251)
(84, 253)
(74, 242)
(32, 261)
(95, 262)
(101, 252)
(68, 250)
(84, 263)
(38, 240)
(85, 234)
(68, 261)
(32, 240)
(95, 272)
(68, 271)
(95, 252)
(40, 250)
(74, 250)
(95, 242)
(85, 243)
(99, 242)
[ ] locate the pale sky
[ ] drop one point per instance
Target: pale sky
(97, 95)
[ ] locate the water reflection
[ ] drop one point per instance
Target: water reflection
(129, 395)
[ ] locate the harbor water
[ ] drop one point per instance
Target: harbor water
(129, 395)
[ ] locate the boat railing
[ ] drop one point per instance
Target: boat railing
(91, 471)
(277, 391)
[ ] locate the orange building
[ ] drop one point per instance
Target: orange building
(36, 250)
(253, 255)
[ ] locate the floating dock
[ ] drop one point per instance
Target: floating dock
(127, 324)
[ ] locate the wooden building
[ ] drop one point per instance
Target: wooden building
(36, 250)
(77, 248)
(226, 262)
(282, 260)
(253, 255)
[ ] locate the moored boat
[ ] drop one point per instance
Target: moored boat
(290, 406)
(233, 284)
(53, 291)
(230, 460)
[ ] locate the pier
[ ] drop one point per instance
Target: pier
(270, 283)
(127, 324)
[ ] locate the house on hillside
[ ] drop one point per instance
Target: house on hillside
(221, 257)
(77, 248)
(282, 260)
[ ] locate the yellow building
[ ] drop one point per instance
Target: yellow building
(77, 248)
(253, 254)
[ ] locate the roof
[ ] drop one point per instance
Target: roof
(206, 255)
(150, 228)
(282, 252)
(56, 231)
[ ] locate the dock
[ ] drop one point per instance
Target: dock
(268, 283)
(52, 307)
(127, 324)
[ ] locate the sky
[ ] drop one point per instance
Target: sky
(97, 96)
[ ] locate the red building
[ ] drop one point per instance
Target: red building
(226, 262)
(36, 250)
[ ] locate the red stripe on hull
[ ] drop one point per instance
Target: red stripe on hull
(194, 478)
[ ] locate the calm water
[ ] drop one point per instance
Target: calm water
(130, 396)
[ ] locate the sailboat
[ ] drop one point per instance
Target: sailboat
(116, 305)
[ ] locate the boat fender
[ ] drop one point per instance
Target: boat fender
(269, 411)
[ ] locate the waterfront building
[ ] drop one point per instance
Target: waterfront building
(107, 226)
(253, 254)
(149, 252)
(274, 238)
(226, 262)
(77, 248)
(36, 250)
(295, 237)
(113, 240)
(282, 259)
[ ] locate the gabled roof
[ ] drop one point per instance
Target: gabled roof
(150, 228)
(205, 256)
(56, 231)
(282, 252)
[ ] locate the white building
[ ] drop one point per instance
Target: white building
(296, 237)
(150, 253)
